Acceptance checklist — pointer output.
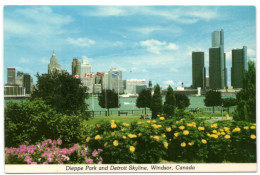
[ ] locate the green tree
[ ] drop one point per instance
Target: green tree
(227, 102)
(62, 92)
(182, 101)
(144, 99)
(156, 104)
(246, 98)
(108, 99)
(170, 102)
(213, 98)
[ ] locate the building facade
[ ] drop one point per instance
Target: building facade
(86, 75)
(54, 66)
(198, 70)
(239, 65)
(11, 76)
(131, 85)
(115, 80)
(76, 67)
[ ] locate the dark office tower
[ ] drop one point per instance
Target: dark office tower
(225, 72)
(150, 84)
(217, 63)
(198, 70)
(11, 76)
(27, 83)
(239, 65)
(76, 66)
(216, 75)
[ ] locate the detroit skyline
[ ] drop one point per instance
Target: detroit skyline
(145, 42)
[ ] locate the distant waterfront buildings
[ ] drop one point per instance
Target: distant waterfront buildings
(54, 65)
(115, 80)
(11, 76)
(239, 65)
(198, 70)
(132, 84)
(76, 67)
(86, 75)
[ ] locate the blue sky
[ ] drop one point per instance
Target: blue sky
(145, 42)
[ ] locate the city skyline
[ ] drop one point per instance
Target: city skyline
(144, 42)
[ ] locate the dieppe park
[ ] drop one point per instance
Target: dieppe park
(56, 125)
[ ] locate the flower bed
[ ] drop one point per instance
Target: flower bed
(174, 140)
(49, 152)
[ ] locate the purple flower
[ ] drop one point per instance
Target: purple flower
(28, 159)
(59, 141)
(89, 160)
(94, 153)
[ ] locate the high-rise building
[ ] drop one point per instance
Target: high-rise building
(217, 61)
(132, 84)
(239, 65)
(104, 81)
(11, 78)
(27, 83)
(54, 66)
(115, 80)
(198, 70)
(86, 75)
(76, 67)
(19, 78)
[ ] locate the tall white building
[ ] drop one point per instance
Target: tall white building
(131, 85)
(86, 75)
(54, 65)
(115, 80)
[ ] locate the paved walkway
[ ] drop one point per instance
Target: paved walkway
(215, 119)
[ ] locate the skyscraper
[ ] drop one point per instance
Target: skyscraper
(11, 78)
(239, 65)
(115, 80)
(27, 83)
(76, 67)
(217, 63)
(86, 75)
(54, 66)
(132, 84)
(198, 70)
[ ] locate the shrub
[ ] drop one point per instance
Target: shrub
(49, 152)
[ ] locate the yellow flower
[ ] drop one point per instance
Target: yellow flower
(115, 143)
(222, 133)
(186, 132)
(123, 129)
(97, 137)
(87, 139)
(176, 134)
(151, 137)
(252, 127)
(253, 136)
(214, 125)
(98, 125)
(174, 126)
(132, 149)
(208, 134)
(215, 131)
(163, 135)
(149, 121)
(201, 128)
(214, 136)
(157, 138)
(139, 134)
(112, 121)
(124, 137)
(236, 129)
(193, 124)
(105, 144)
(140, 123)
(154, 121)
(170, 139)
(165, 144)
(158, 115)
(182, 127)
(221, 130)
(113, 133)
(254, 124)
(177, 122)
(245, 127)
(162, 118)
(189, 124)
(125, 124)
(113, 125)
(183, 144)
(227, 137)
(131, 136)
(159, 126)
(226, 129)
(204, 141)
(191, 143)
(168, 129)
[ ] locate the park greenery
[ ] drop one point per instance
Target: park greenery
(39, 131)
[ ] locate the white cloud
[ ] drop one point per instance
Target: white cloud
(45, 60)
(118, 44)
(168, 82)
(81, 42)
(146, 30)
(24, 60)
(155, 46)
(251, 53)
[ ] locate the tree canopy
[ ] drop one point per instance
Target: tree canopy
(108, 99)
(170, 102)
(182, 101)
(213, 98)
(62, 92)
(156, 104)
(246, 98)
(144, 99)
(227, 102)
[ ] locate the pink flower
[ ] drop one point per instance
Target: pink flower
(100, 162)
(50, 141)
(89, 160)
(45, 163)
(83, 153)
(59, 141)
(22, 148)
(49, 159)
(100, 149)
(31, 149)
(33, 163)
(28, 159)
(94, 153)
(26, 142)
(10, 150)
(44, 143)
